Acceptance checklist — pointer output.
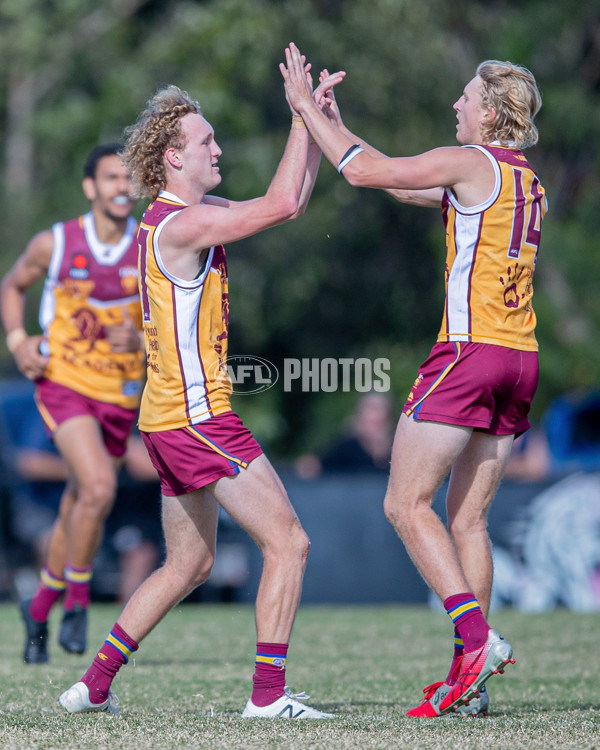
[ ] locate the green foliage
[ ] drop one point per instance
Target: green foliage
(358, 275)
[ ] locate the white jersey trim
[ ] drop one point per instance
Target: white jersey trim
(182, 283)
(48, 300)
(494, 194)
(105, 254)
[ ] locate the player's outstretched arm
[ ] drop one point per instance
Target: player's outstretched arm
(217, 221)
(321, 97)
(405, 178)
(330, 107)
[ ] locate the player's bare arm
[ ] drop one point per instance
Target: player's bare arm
(467, 172)
(30, 267)
(321, 95)
(206, 223)
(462, 170)
(203, 225)
(329, 105)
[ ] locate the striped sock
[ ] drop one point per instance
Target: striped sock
(49, 589)
(78, 586)
(468, 619)
(269, 673)
(459, 649)
(115, 652)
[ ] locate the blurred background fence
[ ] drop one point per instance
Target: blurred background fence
(545, 531)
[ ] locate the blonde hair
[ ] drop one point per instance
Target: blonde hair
(157, 128)
(511, 90)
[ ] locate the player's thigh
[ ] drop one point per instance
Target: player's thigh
(256, 499)
(80, 443)
(422, 456)
(190, 527)
(476, 475)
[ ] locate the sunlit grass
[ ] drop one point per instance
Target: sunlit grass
(190, 680)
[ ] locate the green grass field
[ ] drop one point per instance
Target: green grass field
(192, 676)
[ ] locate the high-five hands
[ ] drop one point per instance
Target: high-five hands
(298, 82)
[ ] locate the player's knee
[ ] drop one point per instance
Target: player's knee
(97, 496)
(291, 546)
(297, 544)
(183, 575)
(203, 571)
(302, 545)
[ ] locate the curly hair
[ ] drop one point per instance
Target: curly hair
(512, 91)
(157, 128)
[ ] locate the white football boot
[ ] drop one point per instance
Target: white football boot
(76, 700)
(288, 706)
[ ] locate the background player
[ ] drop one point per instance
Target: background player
(88, 368)
(472, 395)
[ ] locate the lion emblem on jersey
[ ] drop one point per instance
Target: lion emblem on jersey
(89, 327)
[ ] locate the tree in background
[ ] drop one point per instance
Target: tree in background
(355, 276)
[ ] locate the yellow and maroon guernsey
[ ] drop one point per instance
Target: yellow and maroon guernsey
(89, 286)
(491, 251)
(185, 327)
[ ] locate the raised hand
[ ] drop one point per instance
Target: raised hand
(297, 81)
(324, 95)
(309, 80)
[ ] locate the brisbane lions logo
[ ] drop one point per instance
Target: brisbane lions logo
(89, 328)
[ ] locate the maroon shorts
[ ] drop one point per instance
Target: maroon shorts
(483, 386)
(192, 457)
(57, 403)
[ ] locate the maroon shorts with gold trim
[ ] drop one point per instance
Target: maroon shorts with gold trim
(57, 403)
(483, 386)
(191, 457)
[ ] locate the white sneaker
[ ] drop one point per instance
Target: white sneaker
(76, 700)
(288, 706)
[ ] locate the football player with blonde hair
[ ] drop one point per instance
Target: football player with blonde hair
(472, 395)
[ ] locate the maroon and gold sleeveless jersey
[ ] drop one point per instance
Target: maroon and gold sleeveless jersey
(89, 286)
(185, 327)
(491, 250)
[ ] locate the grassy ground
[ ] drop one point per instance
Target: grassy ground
(367, 665)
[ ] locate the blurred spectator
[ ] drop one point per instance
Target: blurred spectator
(572, 425)
(365, 445)
(530, 459)
(568, 440)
